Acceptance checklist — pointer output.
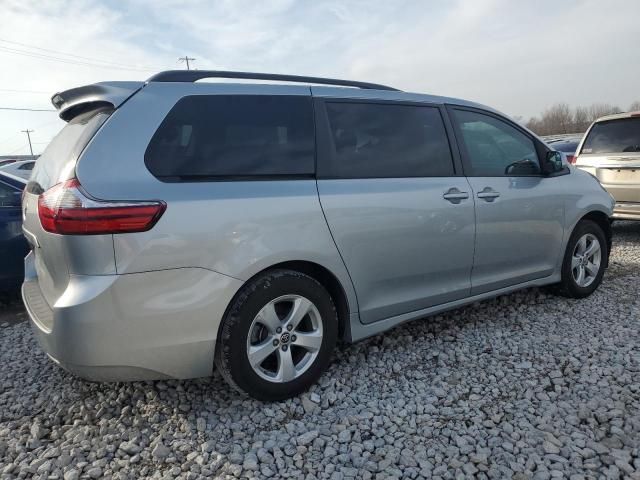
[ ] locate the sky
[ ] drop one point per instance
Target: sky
(517, 56)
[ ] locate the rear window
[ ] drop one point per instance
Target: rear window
(222, 136)
(387, 141)
(57, 163)
(566, 147)
(613, 136)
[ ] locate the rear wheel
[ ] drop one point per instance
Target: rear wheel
(278, 336)
(584, 261)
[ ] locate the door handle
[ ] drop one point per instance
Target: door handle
(488, 194)
(455, 196)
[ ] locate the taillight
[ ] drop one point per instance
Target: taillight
(571, 158)
(67, 210)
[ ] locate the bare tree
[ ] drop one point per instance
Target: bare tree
(558, 118)
(581, 119)
(555, 120)
(561, 118)
(533, 124)
(601, 109)
(635, 106)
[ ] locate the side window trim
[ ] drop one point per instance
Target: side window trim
(324, 140)
(466, 163)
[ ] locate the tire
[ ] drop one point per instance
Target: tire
(258, 317)
(570, 286)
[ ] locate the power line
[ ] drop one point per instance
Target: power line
(73, 55)
(186, 59)
(17, 90)
(9, 138)
(47, 123)
(68, 61)
(16, 150)
(37, 127)
(27, 109)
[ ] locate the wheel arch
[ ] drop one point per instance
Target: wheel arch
(321, 274)
(602, 220)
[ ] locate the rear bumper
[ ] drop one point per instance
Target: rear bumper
(626, 211)
(142, 326)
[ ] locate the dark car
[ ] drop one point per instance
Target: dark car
(13, 245)
(6, 162)
(567, 145)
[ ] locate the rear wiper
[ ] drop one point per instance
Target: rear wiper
(632, 148)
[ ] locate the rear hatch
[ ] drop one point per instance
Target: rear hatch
(611, 152)
(55, 257)
(53, 253)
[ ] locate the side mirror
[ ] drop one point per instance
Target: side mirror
(523, 167)
(553, 163)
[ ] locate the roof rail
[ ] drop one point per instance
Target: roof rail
(194, 75)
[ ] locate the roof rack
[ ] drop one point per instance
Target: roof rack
(194, 75)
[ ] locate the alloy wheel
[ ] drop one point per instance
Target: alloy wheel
(284, 338)
(586, 259)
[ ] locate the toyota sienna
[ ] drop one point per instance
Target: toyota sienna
(176, 224)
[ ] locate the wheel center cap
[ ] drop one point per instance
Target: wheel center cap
(285, 337)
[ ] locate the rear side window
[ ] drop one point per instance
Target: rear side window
(613, 136)
(209, 136)
(57, 163)
(373, 140)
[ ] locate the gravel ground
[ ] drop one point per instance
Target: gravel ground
(524, 386)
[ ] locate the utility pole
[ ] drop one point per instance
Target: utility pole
(27, 131)
(186, 59)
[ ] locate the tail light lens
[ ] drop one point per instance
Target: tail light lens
(67, 210)
(571, 159)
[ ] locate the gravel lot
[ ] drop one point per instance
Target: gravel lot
(525, 386)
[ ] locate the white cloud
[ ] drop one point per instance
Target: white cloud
(519, 57)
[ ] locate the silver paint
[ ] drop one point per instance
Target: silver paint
(148, 305)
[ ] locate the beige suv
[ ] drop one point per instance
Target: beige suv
(610, 151)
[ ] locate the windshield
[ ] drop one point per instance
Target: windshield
(57, 162)
(613, 136)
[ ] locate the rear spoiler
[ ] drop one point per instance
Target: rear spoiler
(77, 100)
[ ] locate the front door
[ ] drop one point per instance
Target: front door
(401, 218)
(519, 212)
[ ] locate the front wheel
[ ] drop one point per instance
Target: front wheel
(584, 261)
(278, 335)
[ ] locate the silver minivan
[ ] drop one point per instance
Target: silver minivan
(177, 223)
